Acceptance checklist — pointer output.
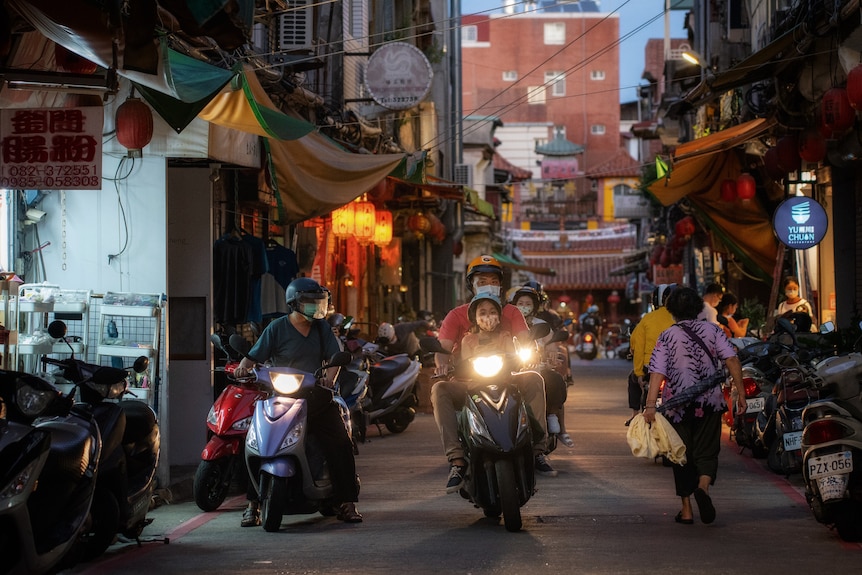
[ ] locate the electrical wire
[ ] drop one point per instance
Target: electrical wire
(116, 180)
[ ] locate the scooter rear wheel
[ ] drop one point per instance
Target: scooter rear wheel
(273, 494)
(212, 482)
(508, 493)
(105, 517)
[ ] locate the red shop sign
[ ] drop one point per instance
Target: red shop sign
(51, 148)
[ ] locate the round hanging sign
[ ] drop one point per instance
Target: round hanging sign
(398, 76)
(800, 222)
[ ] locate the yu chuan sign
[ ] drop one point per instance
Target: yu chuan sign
(800, 222)
(51, 148)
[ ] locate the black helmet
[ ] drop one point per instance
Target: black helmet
(304, 289)
(527, 291)
(336, 320)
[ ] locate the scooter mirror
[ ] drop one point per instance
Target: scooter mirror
(559, 335)
(57, 329)
(431, 345)
(340, 359)
(540, 330)
(142, 363)
(239, 343)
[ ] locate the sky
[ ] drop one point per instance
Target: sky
(633, 14)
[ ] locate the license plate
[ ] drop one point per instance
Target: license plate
(831, 464)
(755, 405)
(793, 440)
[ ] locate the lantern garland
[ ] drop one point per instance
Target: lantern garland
(382, 228)
(364, 218)
(746, 187)
(342, 221)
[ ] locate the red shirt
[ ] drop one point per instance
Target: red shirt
(456, 324)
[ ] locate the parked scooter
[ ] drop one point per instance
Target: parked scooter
(130, 448)
(832, 445)
(49, 459)
(285, 462)
(494, 428)
(222, 458)
(392, 397)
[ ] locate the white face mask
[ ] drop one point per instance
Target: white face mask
(487, 289)
(791, 293)
(488, 322)
(526, 309)
(313, 310)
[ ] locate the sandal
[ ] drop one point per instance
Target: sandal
(566, 439)
(679, 519)
(704, 505)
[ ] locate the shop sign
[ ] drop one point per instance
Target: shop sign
(398, 76)
(800, 222)
(51, 148)
(670, 275)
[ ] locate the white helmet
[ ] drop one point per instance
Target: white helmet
(387, 330)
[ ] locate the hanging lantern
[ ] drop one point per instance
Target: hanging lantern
(438, 230)
(382, 228)
(788, 154)
(71, 62)
(134, 124)
(746, 187)
(772, 165)
(419, 223)
(342, 221)
(728, 191)
(812, 146)
(836, 115)
(854, 87)
(364, 219)
(685, 227)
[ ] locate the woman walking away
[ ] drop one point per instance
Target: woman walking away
(688, 357)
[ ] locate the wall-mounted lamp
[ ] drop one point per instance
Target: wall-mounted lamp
(694, 58)
(348, 280)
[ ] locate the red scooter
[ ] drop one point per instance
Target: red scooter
(222, 459)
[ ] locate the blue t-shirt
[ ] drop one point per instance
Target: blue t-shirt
(281, 343)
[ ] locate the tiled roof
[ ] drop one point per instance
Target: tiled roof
(501, 163)
(621, 164)
(582, 271)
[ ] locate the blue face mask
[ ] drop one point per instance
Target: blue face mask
(488, 289)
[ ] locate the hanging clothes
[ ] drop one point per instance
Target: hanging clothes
(233, 260)
(259, 266)
(283, 268)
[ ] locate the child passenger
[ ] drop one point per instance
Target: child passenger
(485, 336)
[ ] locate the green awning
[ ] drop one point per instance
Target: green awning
(481, 206)
(512, 262)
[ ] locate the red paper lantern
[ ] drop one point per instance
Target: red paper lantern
(812, 146)
(728, 191)
(419, 223)
(71, 62)
(613, 298)
(788, 154)
(745, 187)
(836, 114)
(772, 165)
(854, 87)
(685, 227)
(134, 123)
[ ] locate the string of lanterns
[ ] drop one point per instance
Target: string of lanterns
(361, 220)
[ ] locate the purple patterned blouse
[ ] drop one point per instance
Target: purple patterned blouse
(684, 363)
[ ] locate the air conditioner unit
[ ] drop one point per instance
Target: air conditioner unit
(463, 174)
(296, 26)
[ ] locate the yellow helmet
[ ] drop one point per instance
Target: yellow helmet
(483, 265)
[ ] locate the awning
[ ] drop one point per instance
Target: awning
(514, 263)
(745, 227)
(580, 272)
(245, 106)
(720, 141)
(481, 206)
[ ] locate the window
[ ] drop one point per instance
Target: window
(510, 76)
(555, 33)
(556, 81)
(535, 94)
(597, 75)
(597, 129)
(469, 34)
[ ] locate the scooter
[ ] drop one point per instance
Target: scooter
(228, 421)
(494, 428)
(284, 461)
(587, 348)
(392, 397)
(130, 448)
(832, 446)
(49, 460)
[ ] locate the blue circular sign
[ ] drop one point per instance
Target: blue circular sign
(800, 222)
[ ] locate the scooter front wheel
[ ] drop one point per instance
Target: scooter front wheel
(508, 494)
(212, 482)
(105, 522)
(273, 494)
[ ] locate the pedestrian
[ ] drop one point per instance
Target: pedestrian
(688, 357)
(642, 342)
(727, 308)
(711, 296)
(303, 340)
(794, 303)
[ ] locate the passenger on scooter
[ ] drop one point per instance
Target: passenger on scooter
(401, 337)
(484, 276)
(528, 300)
(303, 340)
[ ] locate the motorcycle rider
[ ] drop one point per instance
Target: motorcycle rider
(401, 337)
(528, 300)
(484, 276)
(303, 340)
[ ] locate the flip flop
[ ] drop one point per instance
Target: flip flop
(679, 519)
(704, 505)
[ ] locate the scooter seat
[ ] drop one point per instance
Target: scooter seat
(391, 366)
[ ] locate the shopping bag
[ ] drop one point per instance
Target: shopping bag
(660, 438)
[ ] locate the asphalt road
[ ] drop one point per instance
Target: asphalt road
(606, 512)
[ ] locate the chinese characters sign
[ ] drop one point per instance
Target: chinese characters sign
(51, 148)
(800, 222)
(398, 76)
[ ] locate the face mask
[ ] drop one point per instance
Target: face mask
(488, 322)
(313, 310)
(791, 293)
(526, 309)
(488, 289)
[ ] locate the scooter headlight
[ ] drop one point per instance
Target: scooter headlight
(286, 383)
(31, 401)
(242, 424)
(487, 366)
(526, 354)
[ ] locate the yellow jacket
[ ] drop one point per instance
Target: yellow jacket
(644, 336)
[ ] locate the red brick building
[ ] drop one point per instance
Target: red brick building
(560, 68)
